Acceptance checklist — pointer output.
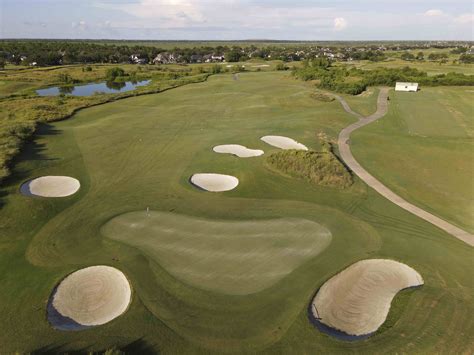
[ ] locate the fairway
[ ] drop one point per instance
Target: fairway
(433, 131)
(220, 272)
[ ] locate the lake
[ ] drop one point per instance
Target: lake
(90, 89)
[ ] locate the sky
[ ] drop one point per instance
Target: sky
(238, 19)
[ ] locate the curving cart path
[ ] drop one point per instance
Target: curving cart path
(346, 154)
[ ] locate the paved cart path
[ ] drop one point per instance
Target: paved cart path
(346, 154)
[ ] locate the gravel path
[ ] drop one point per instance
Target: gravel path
(346, 154)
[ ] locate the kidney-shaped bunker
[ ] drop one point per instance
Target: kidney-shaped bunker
(357, 300)
(238, 150)
(283, 142)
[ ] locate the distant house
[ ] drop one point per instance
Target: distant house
(402, 86)
(167, 58)
(135, 58)
(218, 58)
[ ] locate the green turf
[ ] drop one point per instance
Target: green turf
(140, 152)
(231, 257)
(423, 150)
(365, 103)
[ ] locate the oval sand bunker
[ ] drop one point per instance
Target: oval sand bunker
(238, 150)
(215, 182)
(283, 142)
(357, 300)
(51, 186)
(89, 297)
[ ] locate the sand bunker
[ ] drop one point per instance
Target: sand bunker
(231, 257)
(283, 142)
(357, 300)
(89, 297)
(214, 182)
(51, 186)
(239, 150)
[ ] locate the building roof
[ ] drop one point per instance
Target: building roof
(405, 83)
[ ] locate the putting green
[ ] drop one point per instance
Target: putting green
(239, 257)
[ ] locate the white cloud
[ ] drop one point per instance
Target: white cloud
(433, 13)
(465, 19)
(340, 23)
(81, 25)
(170, 13)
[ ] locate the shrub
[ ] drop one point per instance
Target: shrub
(114, 73)
(319, 168)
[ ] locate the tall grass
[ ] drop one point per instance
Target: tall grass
(319, 168)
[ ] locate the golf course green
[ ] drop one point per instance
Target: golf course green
(234, 271)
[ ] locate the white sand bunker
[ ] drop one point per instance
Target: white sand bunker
(89, 297)
(215, 182)
(283, 142)
(238, 150)
(357, 300)
(51, 186)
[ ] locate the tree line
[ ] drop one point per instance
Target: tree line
(354, 81)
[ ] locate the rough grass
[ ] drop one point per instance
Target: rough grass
(140, 152)
(423, 150)
(20, 115)
(319, 168)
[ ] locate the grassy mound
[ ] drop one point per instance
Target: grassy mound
(320, 168)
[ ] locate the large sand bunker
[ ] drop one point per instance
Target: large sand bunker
(214, 182)
(283, 142)
(357, 300)
(51, 186)
(238, 150)
(231, 257)
(89, 297)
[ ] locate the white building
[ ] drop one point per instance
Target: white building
(400, 86)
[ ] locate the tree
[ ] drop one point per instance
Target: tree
(407, 56)
(420, 56)
(232, 56)
(467, 58)
(114, 73)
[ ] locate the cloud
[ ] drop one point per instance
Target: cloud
(465, 19)
(433, 13)
(170, 13)
(340, 23)
(81, 25)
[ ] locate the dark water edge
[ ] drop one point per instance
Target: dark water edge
(60, 322)
(338, 334)
(91, 89)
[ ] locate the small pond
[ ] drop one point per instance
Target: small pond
(90, 89)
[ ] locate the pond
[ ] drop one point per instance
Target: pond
(90, 89)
